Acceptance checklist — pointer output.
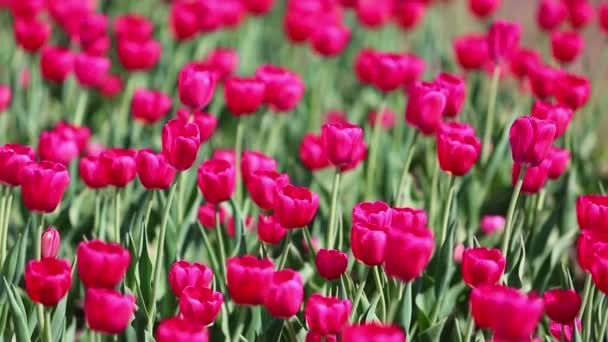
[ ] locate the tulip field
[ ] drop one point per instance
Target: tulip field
(303, 170)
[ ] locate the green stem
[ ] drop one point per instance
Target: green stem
(220, 241)
(311, 247)
(470, 328)
(331, 234)
(448, 208)
(357, 300)
(117, 215)
(487, 134)
(4, 218)
(40, 317)
(160, 246)
(586, 292)
(276, 129)
(511, 211)
(39, 232)
(97, 218)
(181, 182)
(48, 334)
(380, 289)
(373, 150)
(238, 147)
(434, 191)
(81, 107)
(603, 327)
(285, 252)
(149, 209)
(588, 314)
(406, 170)
(292, 331)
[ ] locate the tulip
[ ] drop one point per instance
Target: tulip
(48, 280)
(56, 63)
(425, 107)
(368, 243)
(405, 218)
(386, 120)
(560, 115)
(181, 142)
(285, 294)
(107, 311)
(183, 19)
(26, 8)
(5, 97)
(457, 153)
(216, 180)
(154, 170)
(196, 85)
(542, 79)
(372, 213)
(314, 337)
(91, 174)
(133, 26)
(588, 242)
(566, 46)
(255, 161)
(562, 305)
(92, 27)
(550, 14)
(531, 140)
(341, 141)
(373, 332)
(456, 93)
(30, 33)
(365, 66)
(326, 315)
(295, 207)
(178, 329)
(373, 14)
(503, 39)
(118, 166)
(13, 159)
(599, 266)
(330, 40)
(414, 244)
(602, 13)
(331, 263)
(283, 90)
(311, 152)
(258, 7)
(91, 70)
(80, 134)
(558, 162)
(592, 212)
(135, 55)
(389, 70)
(522, 61)
(482, 266)
(55, 147)
(472, 51)
(492, 223)
(243, 95)
(200, 305)
(49, 243)
(111, 86)
(572, 90)
(269, 230)
(534, 178)
(224, 154)
(557, 329)
(206, 215)
(223, 60)
(263, 186)
(43, 185)
(101, 264)
(483, 8)
(69, 13)
(149, 106)
(248, 278)
(580, 13)
(206, 123)
(408, 14)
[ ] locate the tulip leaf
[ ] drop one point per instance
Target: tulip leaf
(240, 248)
(144, 267)
(433, 333)
(405, 314)
(58, 320)
(18, 314)
(370, 313)
(15, 262)
(255, 324)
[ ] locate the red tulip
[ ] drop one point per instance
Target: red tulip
(326, 315)
(341, 142)
(248, 278)
(48, 280)
(457, 153)
(542, 79)
(562, 305)
(118, 166)
(91, 174)
(492, 223)
(295, 207)
(602, 13)
(560, 115)
(206, 215)
(414, 245)
(181, 141)
(5, 97)
(535, 177)
(472, 51)
(503, 39)
(149, 106)
(135, 55)
(243, 95)
(55, 147)
(311, 152)
(522, 61)
(592, 212)
(13, 159)
(284, 89)
(599, 266)
(43, 185)
(483, 8)
(331, 263)
(330, 40)
(368, 243)
(49, 243)
(556, 330)
(107, 311)
(408, 14)
(200, 305)
(558, 162)
(178, 329)
(580, 13)
(269, 230)
(572, 90)
(373, 332)
(223, 60)
(111, 86)
(285, 294)
(101, 264)
(30, 33)
(588, 241)
(216, 180)
(531, 140)
(258, 7)
(133, 26)
(263, 186)
(372, 13)
(425, 107)
(550, 14)
(154, 170)
(91, 70)
(566, 46)
(456, 93)
(56, 63)
(482, 266)
(196, 85)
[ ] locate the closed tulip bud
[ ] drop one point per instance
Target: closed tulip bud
(472, 51)
(206, 215)
(522, 60)
(181, 142)
(90, 172)
(331, 263)
(56, 63)
(566, 46)
(550, 14)
(387, 119)
(560, 115)
(216, 180)
(258, 7)
(580, 13)
(49, 243)
(425, 107)
(483, 8)
(572, 90)
(602, 13)
(330, 40)
(558, 162)
(295, 207)
(531, 140)
(373, 14)
(562, 305)
(135, 55)
(341, 141)
(200, 305)
(243, 95)
(311, 152)
(285, 294)
(409, 14)
(269, 230)
(557, 329)
(118, 166)
(5, 97)
(149, 106)
(48, 280)
(55, 147)
(503, 39)
(373, 332)
(183, 19)
(456, 93)
(283, 90)
(263, 186)
(492, 223)
(542, 79)
(592, 212)
(326, 315)
(13, 159)
(178, 329)
(534, 179)
(154, 170)
(133, 26)
(111, 86)
(413, 244)
(107, 311)
(248, 278)
(196, 85)
(223, 60)
(91, 70)
(599, 266)
(482, 266)
(43, 185)
(30, 33)
(457, 153)
(102, 264)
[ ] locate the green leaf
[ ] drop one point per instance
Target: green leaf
(18, 314)
(240, 248)
(58, 320)
(433, 333)
(405, 314)
(255, 325)
(144, 267)
(370, 313)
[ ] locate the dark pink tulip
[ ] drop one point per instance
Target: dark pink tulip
(560, 115)
(55, 147)
(326, 315)
(224, 154)
(330, 40)
(196, 85)
(531, 140)
(492, 223)
(365, 66)
(562, 305)
(5, 97)
(592, 212)
(91, 70)
(557, 330)
(373, 332)
(331, 263)
(483, 8)
(456, 127)
(133, 26)
(180, 143)
(580, 13)
(311, 152)
(90, 172)
(425, 107)
(200, 305)
(542, 79)
(184, 274)
(284, 88)
(111, 86)
(482, 266)
(206, 123)
(258, 7)
(206, 215)
(522, 60)
(216, 180)
(270, 230)
(295, 207)
(135, 55)
(558, 162)
(472, 51)
(252, 161)
(56, 63)
(602, 13)
(13, 158)
(263, 186)
(503, 39)
(457, 153)
(183, 19)
(414, 244)
(177, 328)
(285, 294)
(149, 106)
(572, 90)
(30, 33)
(243, 95)
(223, 60)
(340, 142)
(550, 14)
(118, 166)
(26, 8)
(92, 27)
(248, 278)
(455, 87)
(386, 120)
(42, 185)
(154, 170)
(373, 13)
(535, 177)
(566, 46)
(408, 14)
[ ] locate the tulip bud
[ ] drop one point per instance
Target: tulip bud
(373, 13)
(248, 278)
(206, 215)
(457, 153)
(472, 51)
(572, 90)
(5, 97)
(503, 39)
(602, 13)
(285, 294)
(482, 266)
(183, 19)
(49, 243)
(550, 14)
(223, 60)
(531, 140)
(456, 93)
(154, 170)
(341, 142)
(425, 107)
(118, 166)
(562, 305)
(330, 40)
(492, 223)
(283, 88)
(331, 263)
(181, 142)
(566, 46)
(295, 207)
(599, 266)
(580, 13)
(30, 33)
(557, 329)
(409, 14)
(216, 180)
(111, 86)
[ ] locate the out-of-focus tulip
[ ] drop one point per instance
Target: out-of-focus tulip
(560, 115)
(56, 63)
(425, 107)
(550, 14)
(263, 186)
(492, 223)
(181, 141)
(184, 274)
(531, 140)
(30, 33)
(149, 106)
(311, 152)
(373, 332)
(133, 26)
(456, 89)
(154, 170)
(13, 158)
(90, 172)
(503, 39)
(135, 55)
(330, 40)
(472, 51)
(562, 305)
(572, 90)
(285, 294)
(341, 142)
(243, 95)
(178, 329)
(284, 89)
(566, 46)
(535, 177)
(457, 153)
(216, 180)
(118, 166)
(414, 244)
(91, 70)
(206, 215)
(483, 8)
(196, 85)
